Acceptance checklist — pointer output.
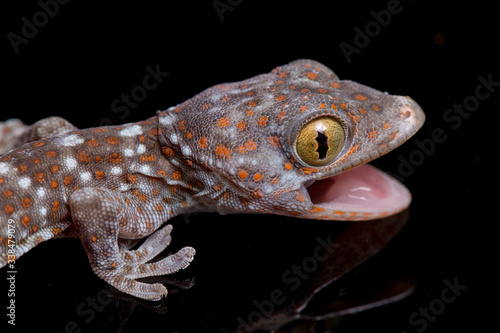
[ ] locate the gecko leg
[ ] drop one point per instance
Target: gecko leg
(99, 215)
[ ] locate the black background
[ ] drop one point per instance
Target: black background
(90, 53)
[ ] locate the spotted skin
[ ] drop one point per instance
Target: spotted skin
(228, 149)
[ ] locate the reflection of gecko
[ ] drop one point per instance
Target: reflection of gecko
(269, 144)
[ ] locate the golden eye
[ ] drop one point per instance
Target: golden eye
(320, 141)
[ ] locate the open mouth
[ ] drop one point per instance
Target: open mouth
(363, 192)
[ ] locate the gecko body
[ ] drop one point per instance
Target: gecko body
(278, 143)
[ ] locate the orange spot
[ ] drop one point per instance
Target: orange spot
(53, 184)
(50, 154)
(176, 175)
(189, 135)
(372, 135)
(36, 161)
(22, 168)
(250, 145)
(112, 140)
(241, 126)
(242, 174)
(205, 106)
(280, 98)
(376, 107)
(92, 143)
(303, 108)
(223, 122)
(40, 176)
(223, 151)
(225, 99)
(323, 91)
(360, 97)
(257, 177)
(335, 85)
(202, 142)
(312, 75)
(262, 121)
(252, 103)
(282, 115)
(288, 166)
(363, 111)
(249, 112)
(26, 202)
(54, 168)
(131, 178)
(274, 141)
(167, 151)
(83, 157)
(68, 180)
(9, 209)
(99, 174)
(8, 193)
(39, 143)
(181, 125)
(25, 220)
(94, 238)
(322, 106)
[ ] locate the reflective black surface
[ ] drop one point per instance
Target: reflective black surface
(436, 273)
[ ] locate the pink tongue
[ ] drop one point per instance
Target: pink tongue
(362, 189)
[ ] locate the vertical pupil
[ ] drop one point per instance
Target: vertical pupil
(322, 140)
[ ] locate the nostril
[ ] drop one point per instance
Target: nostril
(406, 111)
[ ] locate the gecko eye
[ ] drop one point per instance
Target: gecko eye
(320, 141)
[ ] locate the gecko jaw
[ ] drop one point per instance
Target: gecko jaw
(362, 193)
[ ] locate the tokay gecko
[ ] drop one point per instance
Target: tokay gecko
(281, 143)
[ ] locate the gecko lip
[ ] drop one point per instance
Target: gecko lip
(363, 192)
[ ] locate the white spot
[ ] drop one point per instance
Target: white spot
(215, 97)
(131, 130)
(85, 176)
(70, 163)
(128, 152)
(165, 120)
(186, 150)
(24, 182)
(141, 149)
(241, 160)
(4, 167)
(254, 162)
(43, 211)
(41, 192)
(123, 188)
(72, 140)
(145, 169)
(173, 138)
(116, 170)
(267, 189)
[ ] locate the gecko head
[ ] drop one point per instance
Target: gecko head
(296, 142)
